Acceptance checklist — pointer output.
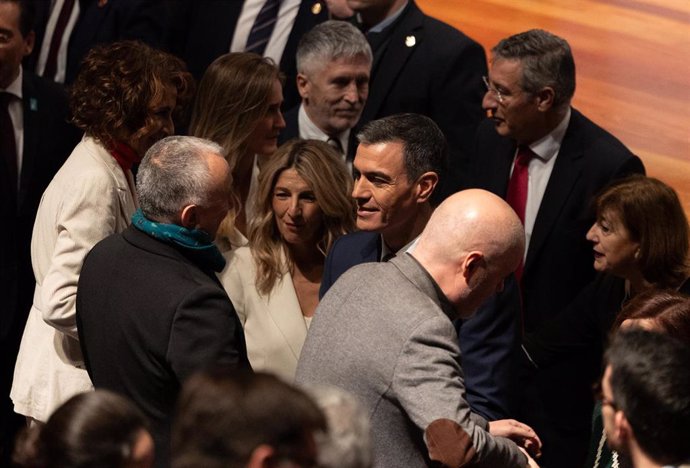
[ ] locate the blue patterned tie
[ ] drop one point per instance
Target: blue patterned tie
(263, 27)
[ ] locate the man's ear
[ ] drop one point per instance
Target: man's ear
(261, 457)
(471, 266)
(303, 85)
(29, 42)
(189, 217)
(623, 430)
(545, 98)
(426, 183)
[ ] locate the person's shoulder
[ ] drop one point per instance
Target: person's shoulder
(354, 240)
(596, 138)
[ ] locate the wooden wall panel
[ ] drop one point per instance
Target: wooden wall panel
(633, 66)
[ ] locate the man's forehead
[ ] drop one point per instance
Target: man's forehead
(383, 155)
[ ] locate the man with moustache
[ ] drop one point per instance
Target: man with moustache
(333, 66)
(548, 161)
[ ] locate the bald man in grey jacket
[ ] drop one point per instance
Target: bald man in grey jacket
(384, 333)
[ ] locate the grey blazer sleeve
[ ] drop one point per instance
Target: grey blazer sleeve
(429, 384)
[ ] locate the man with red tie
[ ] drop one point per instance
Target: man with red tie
(548, 161)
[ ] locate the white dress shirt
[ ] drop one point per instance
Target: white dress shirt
(539, 171)
(309, 131)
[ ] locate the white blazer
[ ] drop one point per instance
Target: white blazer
(89, 198)
(274, 326)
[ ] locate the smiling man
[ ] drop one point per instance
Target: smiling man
(548, 161)
(333, 64)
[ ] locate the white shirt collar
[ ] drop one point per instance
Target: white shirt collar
(15, 87)
(548, 146)
(309, 131)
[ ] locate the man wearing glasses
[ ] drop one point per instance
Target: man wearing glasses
(548, 161)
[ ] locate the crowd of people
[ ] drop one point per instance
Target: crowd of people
(328, 235)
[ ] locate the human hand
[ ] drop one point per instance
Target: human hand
(520, 433)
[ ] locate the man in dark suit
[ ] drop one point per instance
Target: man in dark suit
(333, 64)
(548, 161)
(34, 125)
(150, 310)
(203, 31)
(397, 168)
(424, 66)
(90, 22)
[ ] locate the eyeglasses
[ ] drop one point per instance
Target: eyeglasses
(492, 89)
(599, 395)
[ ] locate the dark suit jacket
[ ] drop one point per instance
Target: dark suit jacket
(202, 32)
(148, 317)
(144, 20)
(431, 68)
(48, 140)
(559, 260)
(483, 365)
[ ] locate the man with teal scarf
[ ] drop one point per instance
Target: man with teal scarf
(150, 310)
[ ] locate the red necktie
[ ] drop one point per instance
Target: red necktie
(8, 147)
(517, 188)
(63, 18)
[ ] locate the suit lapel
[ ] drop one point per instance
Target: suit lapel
(398, 51)
(282, 300)
(566, 172)
(371, 250)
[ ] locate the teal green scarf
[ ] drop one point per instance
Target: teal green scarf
(195, 242)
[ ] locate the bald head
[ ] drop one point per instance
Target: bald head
(472, 242)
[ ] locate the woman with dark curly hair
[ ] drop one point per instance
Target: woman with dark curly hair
(98, 429)
(303, 205)
(238, 106)
(124, 98)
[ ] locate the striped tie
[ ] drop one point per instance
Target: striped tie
(263, 27)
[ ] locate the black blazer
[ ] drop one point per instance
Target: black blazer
(105, 22)
(431, 68)
(202, 31)
(48, 140)
(148, 317)
(558, 266)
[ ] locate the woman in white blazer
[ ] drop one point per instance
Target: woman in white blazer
(123, 99)
(303, 205)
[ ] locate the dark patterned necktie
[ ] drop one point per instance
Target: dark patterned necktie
(50, 68)
(263, 27)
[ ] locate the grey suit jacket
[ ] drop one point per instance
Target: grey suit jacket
(384, 333)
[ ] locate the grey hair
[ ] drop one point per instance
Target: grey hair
(328, 41)
(348, 441)
(174, 174)
(546, 61)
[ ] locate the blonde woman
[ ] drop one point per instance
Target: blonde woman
(238, 106)
(303, 205)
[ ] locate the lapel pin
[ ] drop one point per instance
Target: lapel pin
(410, 41)
(33, 104)
(316, 8)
